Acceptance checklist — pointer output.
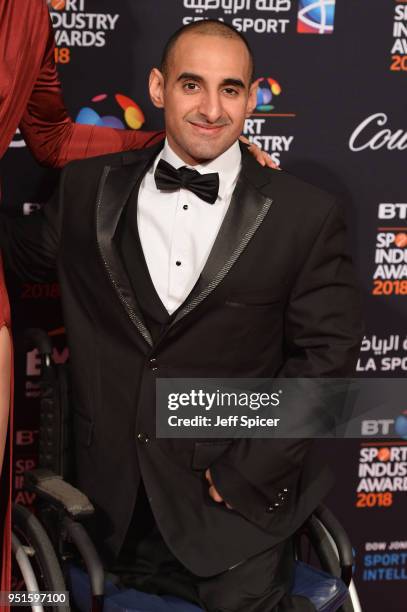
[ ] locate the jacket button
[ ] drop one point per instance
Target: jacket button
(270, 509)
(153, 363)
(143, 438)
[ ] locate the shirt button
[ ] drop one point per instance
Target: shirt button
(185, 207)
(143, 438)
(178, 263)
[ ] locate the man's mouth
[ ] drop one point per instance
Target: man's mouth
(207, 128)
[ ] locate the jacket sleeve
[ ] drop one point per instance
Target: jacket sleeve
(52, 136)
(30, 244)
(323, 331)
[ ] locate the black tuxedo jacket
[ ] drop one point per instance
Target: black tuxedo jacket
(277, 297)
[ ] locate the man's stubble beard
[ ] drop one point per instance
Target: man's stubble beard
(205, 151)
(202, 151)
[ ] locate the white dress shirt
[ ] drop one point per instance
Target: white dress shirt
(177, 229)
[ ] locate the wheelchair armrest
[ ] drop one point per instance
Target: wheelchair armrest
(341, 540)
(53, 488)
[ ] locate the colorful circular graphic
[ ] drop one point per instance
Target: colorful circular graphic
(383, 454)
(400, 240)
(132, 114)
(58, 5)
(400, 425)
(316, 16)
(267, 89)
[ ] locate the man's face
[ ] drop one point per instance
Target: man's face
(206, 95)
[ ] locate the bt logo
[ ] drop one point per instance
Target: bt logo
(132, 114)
(267, 90)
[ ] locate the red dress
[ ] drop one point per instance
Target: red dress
(30, 97)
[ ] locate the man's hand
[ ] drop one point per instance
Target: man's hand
(262, 157)
(213, 491)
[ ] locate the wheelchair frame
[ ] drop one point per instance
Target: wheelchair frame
(62, 507)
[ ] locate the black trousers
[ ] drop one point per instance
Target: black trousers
(260, 584)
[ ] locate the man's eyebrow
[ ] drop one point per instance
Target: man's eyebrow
(235, 82)
(195, 77)
(189, 75)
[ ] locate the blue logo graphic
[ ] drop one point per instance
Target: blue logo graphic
(316, 16)
(267, 90)
(400, 425)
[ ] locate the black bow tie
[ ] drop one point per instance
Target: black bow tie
(205, 186)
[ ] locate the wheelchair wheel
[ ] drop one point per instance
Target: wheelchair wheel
(37, 545)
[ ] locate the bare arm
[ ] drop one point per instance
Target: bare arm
(5, 376)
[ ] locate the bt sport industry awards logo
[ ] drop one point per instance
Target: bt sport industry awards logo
(75, 27)
(132, 114)
(316, 16)
(257, 127)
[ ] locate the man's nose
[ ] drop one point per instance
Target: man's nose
(210, 106)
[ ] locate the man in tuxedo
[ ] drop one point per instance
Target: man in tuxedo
(191, 260)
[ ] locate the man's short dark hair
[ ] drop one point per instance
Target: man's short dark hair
(210, 27)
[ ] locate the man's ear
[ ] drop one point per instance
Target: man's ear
(156, 87)
(252, 99)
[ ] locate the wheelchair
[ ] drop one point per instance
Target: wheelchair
(52, 550)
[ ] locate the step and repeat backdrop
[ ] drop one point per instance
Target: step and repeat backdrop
(331, 108)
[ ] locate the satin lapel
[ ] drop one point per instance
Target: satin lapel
(245, 214)
(115, 188)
